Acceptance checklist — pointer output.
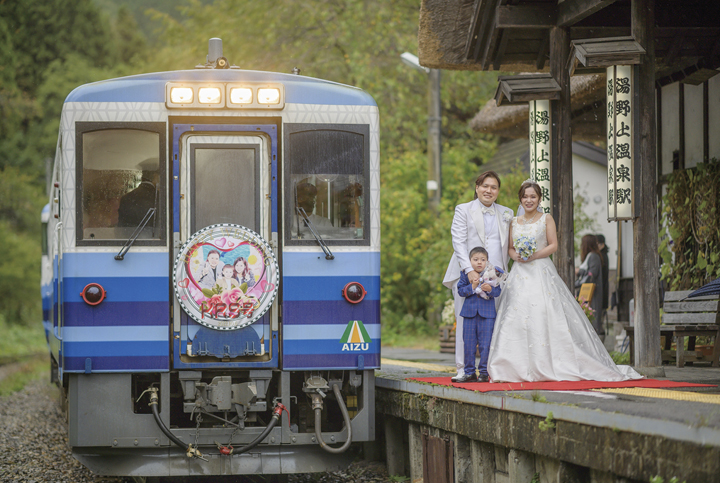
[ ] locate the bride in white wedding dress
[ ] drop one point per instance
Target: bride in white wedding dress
(541, 333)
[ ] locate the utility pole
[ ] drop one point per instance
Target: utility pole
(434, 148)
(434, 144)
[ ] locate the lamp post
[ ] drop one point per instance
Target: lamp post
(434, 179)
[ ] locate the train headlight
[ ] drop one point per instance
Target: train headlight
(181, 95)
(354, 292)
(268, 96)
(209, 95)
(241, 95)
(93, 294)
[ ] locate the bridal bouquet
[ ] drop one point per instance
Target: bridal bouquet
(525, 246)
(585, 305)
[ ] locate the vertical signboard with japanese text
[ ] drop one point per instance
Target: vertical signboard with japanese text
(540, 172)
(619, 144)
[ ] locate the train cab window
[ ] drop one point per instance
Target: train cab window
(327, 184)
(120, 183)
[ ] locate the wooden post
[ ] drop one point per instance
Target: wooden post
(562, 178)
(648, 356)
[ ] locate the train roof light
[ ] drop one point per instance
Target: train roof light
(181, 95)
(269, 95)
(255, 95)
(217, 95)
(209, 95)
(241, 95)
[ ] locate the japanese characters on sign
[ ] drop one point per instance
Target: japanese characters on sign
(619, 143)
(539, 117)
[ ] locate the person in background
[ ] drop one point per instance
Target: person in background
(592, 265)
(605, 271)
(135, 204)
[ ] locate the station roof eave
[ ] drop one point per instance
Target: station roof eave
(513, 35)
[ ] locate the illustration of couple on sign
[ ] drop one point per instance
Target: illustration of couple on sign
(541, 333)
(224, 275)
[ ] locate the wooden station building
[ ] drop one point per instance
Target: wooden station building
(672, 48)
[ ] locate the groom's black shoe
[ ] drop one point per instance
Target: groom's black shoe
(483, 378)
(465, 378)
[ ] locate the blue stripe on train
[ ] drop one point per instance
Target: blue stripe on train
(352, 264)
(85, 265)
(117, 313)
(324, 332)
(328, 347)
(116, 348)
(350, 360)
(118, 364)
(330, 312)
(123, 333)
(327, 288)
(121, 289)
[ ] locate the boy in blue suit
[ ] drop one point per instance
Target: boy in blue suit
(479, 317)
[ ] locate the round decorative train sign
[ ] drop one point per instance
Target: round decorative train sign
(226, 277)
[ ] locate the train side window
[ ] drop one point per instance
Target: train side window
(120, 177)
(327, 175)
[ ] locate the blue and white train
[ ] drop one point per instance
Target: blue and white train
(211, 271)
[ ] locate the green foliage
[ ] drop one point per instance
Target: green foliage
(28, 371)
(21, 341)
(620, 358)
(690, 244)
(582, 222)
(537, 397)
(47, 48)
(660, 479)
(19, 275)
(548, 423)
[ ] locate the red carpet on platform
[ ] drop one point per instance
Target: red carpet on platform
(555, 385)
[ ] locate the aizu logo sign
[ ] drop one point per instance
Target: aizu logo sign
(355, 337)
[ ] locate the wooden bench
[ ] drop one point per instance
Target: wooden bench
(698, 316)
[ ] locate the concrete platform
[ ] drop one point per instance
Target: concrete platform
(606, 437)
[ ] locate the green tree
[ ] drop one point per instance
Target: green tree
(47, 48)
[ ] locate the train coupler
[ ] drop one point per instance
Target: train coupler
(194, 453)
(225, 450)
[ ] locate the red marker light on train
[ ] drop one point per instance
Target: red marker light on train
(354, 292)
(93, 293)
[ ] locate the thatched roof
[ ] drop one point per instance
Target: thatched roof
(514, 36)
(436, 49)
(588, 112)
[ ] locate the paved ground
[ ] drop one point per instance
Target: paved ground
(645, 413)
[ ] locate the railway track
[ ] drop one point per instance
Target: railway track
(35, 443)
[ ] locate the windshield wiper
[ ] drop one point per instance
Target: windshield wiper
(321, 242)
(121, 255)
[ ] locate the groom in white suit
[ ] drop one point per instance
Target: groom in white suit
(479, 223)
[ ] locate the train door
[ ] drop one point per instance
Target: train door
(224, 210)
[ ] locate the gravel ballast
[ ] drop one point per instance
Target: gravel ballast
(35, 449)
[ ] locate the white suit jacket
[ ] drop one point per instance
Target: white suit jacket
(468, 232)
